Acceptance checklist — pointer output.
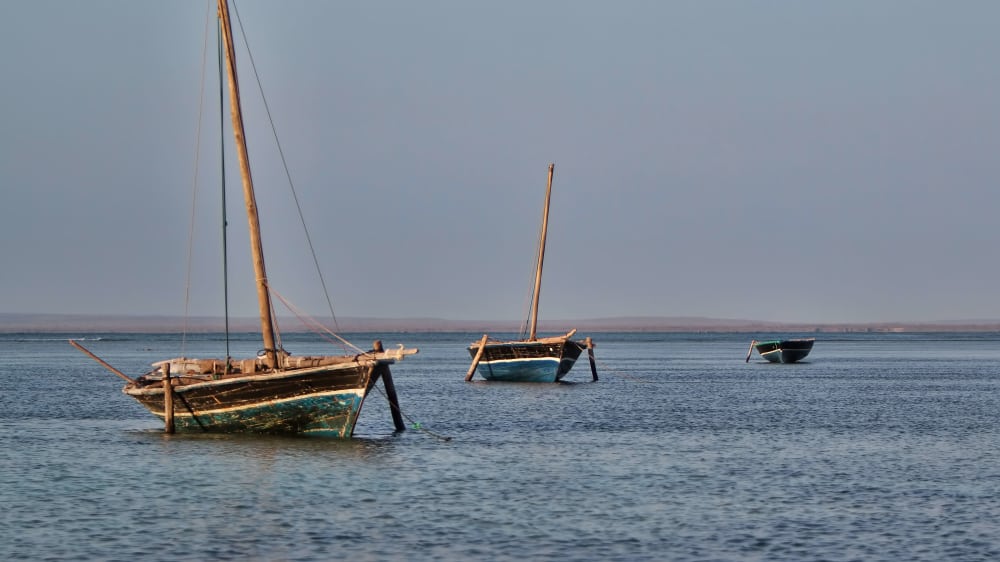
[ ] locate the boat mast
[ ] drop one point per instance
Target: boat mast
(256, 247)
(541, 256)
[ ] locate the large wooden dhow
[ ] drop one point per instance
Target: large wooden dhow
(275, 392)
(317, 395)
(532, 359)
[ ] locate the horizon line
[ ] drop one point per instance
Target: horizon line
(55, 322)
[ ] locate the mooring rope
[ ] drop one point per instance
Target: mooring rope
(413, 423)
(604, 369)
(315, 325)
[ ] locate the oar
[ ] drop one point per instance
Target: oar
(101, 361)
(750, 351)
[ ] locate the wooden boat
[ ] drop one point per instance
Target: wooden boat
(782, 351)
(275, 392)
(532, 359)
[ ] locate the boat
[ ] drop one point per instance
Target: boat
(274, 392)
(782, 351)
(531, 359)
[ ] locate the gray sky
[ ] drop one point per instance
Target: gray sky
(774, 160)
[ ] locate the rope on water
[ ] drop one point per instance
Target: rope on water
(414, 424)
(605, 369)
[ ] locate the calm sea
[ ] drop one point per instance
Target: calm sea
(878, 447)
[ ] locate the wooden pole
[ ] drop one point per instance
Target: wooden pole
(590, 354)
(541, 256)
(475, 360)
(101, 361)
(750, 351)
(168, 399)
(390, 392)
(256, 245)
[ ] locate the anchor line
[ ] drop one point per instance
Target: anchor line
(605, 369)
(415, 424)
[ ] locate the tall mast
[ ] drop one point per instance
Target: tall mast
(541, 256)
(256, 247)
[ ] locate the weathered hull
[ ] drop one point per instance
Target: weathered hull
(527, 361)
(317, 401)
(785, 351)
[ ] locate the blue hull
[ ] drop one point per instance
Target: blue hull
(522, 370)
(527, 361)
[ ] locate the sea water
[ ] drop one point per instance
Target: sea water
(876, 447)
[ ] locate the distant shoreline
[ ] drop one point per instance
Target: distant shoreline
(55, 323)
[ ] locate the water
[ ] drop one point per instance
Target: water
(878, 447)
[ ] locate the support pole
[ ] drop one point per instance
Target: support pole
(390, 393)
(168, 400)
(590, 354)
(101, 361)
(390, 388)
(750, 351)
(475, 360)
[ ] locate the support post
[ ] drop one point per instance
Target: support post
(590, 354)
(101, 361)
(475, 360)
(390, 392)
(168, 399)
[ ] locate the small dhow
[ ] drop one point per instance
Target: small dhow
(532, 359)
(275, 392)
(782, 351)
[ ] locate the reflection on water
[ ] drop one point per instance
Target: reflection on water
(879, 447)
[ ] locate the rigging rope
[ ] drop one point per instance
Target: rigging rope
(284, 163)
(605, 369)
(274, 322)
(222, 179)
(194, 181)
(314, 324)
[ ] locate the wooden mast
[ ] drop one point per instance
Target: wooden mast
(256, 247)
(541, 256)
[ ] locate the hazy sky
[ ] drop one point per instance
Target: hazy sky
(774, 160)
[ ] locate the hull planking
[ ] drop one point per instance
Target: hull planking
(312, 401)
